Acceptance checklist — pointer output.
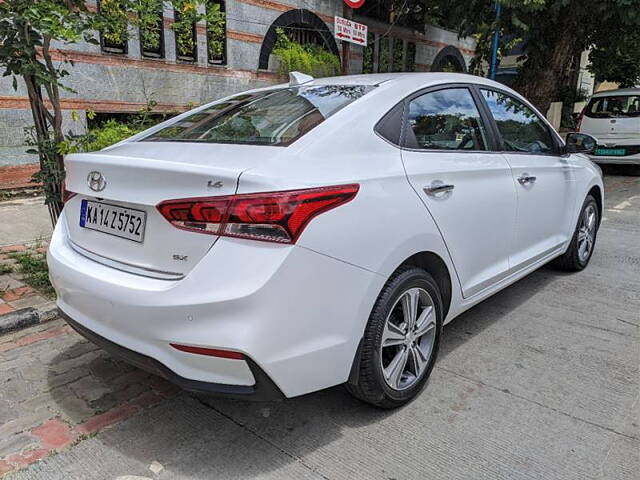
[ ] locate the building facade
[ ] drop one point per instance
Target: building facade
(115, 79)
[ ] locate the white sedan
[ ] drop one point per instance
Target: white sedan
(301, 236)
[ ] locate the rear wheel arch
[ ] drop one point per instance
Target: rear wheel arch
(434, 265)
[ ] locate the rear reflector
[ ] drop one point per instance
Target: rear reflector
(272, 217)
(211, 352)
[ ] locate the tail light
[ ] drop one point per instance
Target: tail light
(580, 117)
(272, 217)
(66, 194)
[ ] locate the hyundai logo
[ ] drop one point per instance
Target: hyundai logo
(96, 181)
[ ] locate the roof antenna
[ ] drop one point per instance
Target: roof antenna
(297, 78)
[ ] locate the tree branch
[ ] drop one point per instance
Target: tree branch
(53, 90)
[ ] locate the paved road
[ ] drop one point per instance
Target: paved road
(23, 220)
(539, 382)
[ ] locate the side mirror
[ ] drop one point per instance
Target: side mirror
(580, 143)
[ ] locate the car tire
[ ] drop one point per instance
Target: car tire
(370, 381)
(576, 258)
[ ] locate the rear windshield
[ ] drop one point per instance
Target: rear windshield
(613, 107)
(273, 117)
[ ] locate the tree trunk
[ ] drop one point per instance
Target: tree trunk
(51, 172)
(545, 69)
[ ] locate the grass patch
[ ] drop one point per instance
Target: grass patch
(6, 268)
(35, 272)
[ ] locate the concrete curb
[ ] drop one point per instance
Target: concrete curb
(26, 317)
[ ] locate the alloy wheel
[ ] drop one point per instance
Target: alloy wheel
(408, 338)
(586, 233)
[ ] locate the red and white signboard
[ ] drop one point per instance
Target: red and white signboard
(350, 31)
(354, 3)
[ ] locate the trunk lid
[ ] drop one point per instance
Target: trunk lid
(138, 176)
(612, 128)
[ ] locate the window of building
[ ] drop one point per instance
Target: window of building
(410, 60)
(186, 38)
(367, 54)
(408, 13)
(446, 120)
(151, 27)
(384, 54)
(216, 32)
(521, 129)
(397, 55)
(113, 35)
(301, 27)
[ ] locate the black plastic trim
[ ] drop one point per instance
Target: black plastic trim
(263, 390)
(389, 126)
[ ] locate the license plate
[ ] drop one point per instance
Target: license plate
(611, 151)
(119, 221)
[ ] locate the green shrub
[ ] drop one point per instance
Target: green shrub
(100, 137)
(310, 59)
(35, 272)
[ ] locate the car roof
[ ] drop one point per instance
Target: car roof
(619, 91)
(404, 78)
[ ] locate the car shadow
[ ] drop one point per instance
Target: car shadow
(193, 435)
(495, 309)
(621, 170)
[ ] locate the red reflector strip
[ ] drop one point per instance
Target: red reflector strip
(211, 352)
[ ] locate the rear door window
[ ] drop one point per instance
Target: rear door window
(614, 107)
(445, 120)
(273, 117)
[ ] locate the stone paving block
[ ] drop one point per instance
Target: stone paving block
(54, 435)
(18, 442)
(26, 421)
(13, 249)
(132, 390)
(4, 308)
(89, 388)
(66, 378)
(104, 368)
(16, 293)
(34, 301)
(7, 413)
(69, 406)
(7, 282)
(59, 365)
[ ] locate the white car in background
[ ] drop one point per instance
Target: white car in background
(296, 237)
(613, 118)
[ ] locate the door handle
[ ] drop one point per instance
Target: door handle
(435, 189)
(526, 178)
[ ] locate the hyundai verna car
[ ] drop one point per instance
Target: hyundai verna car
(613, 118)
(321, 232)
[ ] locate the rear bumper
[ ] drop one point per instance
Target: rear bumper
(262, 390)
(297, 314)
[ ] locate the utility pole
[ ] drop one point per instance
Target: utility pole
(495, 44)
(347, 12)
